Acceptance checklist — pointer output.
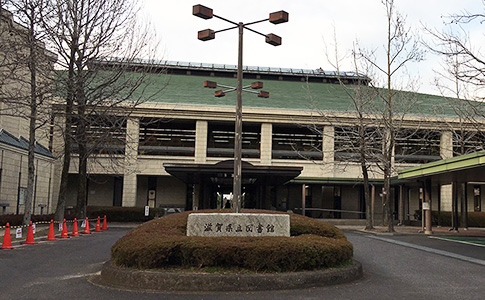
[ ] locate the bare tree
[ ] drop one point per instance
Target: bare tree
(464, 80)
(99, 43)
(401, 48)
(28, 80)
(357, 141)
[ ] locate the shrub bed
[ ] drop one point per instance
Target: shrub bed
(113, 214)
(475, 219)
(162, 243)
(16, 220)
(123, 214)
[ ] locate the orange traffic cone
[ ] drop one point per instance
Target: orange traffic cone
(86, 229)
(51, 236)
(30, 235)
(7, 241)
(74, 228)
(98, 226)
(64, 234)
(105, 225)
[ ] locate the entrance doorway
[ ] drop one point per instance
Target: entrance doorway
(221, 196)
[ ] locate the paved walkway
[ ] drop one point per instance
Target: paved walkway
(414, 230)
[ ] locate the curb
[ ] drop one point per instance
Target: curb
(117, 277)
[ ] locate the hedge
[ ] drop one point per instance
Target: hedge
(123, 214)
(113, 214)
(162, 243)
(16, 220)
(475, 219)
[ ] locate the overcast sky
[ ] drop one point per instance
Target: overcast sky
(311, 26)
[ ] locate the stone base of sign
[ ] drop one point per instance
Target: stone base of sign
(117, 277)
(241, 224)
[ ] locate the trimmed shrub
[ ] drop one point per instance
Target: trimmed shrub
(475, 219)
(113, 214)
(123, 214)
(162, 243)
(16, 220)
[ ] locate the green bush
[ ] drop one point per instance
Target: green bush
(123, 214)
(475, 219)
(16, 220)
(113, 214)
(162, 243)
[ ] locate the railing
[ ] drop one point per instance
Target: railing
(329, 210)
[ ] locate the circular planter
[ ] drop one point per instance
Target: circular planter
(118, 277)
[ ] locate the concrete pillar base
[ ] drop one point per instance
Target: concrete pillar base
(428, 232)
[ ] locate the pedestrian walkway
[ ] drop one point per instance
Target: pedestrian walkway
(415, 230)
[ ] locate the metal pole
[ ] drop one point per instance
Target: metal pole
(238, 128)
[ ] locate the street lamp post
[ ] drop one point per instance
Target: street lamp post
(208, 34)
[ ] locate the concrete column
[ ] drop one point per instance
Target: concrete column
(464, 204)
(373, 203)
(303, 199)
(328, 149)
(446, 144)
(196, 197)
(446, 151)
(131, 155)
(454, 206)
(427, 199)
(266, 143)
(201, 141)
(401, 204)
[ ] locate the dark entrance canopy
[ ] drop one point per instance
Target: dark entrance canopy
(221, 173)
(213, 181)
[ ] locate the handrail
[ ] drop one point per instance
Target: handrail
(331, 210)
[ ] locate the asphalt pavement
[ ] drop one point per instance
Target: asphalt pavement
(398, 267)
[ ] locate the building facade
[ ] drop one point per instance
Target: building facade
(14, 126)
(297, 156)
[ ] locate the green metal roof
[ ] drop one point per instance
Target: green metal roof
(449, 165)
(186, 89)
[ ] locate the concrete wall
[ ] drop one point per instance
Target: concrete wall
(100, 190)
(13, 163)
(170, 192)
(350, 202)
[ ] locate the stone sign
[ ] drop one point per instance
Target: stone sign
(241, 224)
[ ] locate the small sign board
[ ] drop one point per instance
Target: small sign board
(83, 224)
(33, 228)
(18, 233)
(426, 206)
(147, 211)
(238, 224)
(60, 226)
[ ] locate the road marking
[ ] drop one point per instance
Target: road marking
(456, 241)
(59, 278)
(430, 250)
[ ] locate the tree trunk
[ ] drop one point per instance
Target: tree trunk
(32, 124)
(367, 200)
(61, 201)
(387, 193)
(81, 138)
(82, 186)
